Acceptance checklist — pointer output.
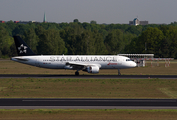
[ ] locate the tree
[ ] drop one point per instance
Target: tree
(127, 39)
(85, 43)
(152, 37)
(76, 20)
(69, 37)
(39, 31)
(20, 29)
(50, 42)
(172, 36)
(31, 39)
(164, 50)
(13, 51)
(113, 41)
(5, 42)
(100, 48)
(134, 29)
(10, 26)
(93, 22)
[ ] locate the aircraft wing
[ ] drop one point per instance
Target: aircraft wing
(79, 66)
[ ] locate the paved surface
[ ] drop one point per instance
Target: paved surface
(52, 103)
(19, 103)
(85, 102)
(86, 107)
(90, 76)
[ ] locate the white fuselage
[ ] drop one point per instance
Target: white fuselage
(59, 61)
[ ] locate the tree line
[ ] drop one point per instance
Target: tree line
(77, 38)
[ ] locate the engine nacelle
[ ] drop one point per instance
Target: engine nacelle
(93, 69)
(68, 67)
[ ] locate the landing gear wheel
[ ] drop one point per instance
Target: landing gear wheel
(119, 72)
(77, 73)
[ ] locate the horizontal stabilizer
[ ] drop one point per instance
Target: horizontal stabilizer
(20, 59)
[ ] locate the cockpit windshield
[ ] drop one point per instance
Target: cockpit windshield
(128, 60)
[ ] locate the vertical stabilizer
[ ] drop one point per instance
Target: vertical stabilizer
(22, 47)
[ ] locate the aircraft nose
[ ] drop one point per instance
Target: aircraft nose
(134, 64)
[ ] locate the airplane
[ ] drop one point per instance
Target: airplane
(87, 63)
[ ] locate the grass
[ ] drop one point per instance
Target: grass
(11, 67)
(87, 88)
(111, 114)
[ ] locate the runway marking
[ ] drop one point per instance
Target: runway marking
(90, 100)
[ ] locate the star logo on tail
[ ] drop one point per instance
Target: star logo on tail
(22, 48)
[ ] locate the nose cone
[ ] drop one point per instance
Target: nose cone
(133, 64)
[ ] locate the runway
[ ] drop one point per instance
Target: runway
(51, 103)
(89, 76)
(89, 107)
(38, 103)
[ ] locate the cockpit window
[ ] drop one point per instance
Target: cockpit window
(128, 59)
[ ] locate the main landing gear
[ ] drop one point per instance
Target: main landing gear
(119, 72)
(76, 73)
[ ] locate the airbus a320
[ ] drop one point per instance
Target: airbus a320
(87, 63)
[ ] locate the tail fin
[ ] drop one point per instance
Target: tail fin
(22, 47)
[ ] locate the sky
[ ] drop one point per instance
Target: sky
(102, 11)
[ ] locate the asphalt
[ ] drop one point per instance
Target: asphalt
(50, 103)
(54, 103)
(88, 76)
(86, 102)
(89, 107)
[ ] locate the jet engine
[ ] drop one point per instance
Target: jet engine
(92, 69)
